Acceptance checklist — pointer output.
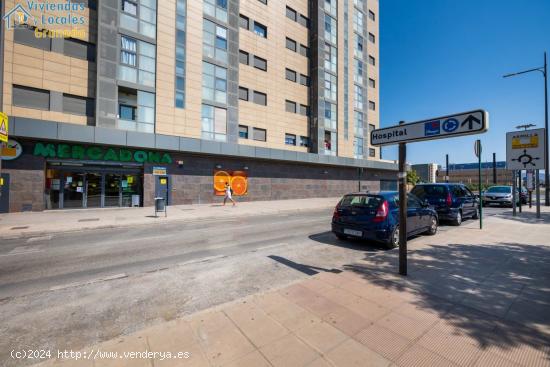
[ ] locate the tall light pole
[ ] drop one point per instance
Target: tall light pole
(543, 70)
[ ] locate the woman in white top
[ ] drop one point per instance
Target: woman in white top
(228, 194)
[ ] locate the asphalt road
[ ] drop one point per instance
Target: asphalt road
(72, 290)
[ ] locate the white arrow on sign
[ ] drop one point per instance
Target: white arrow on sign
(465, 123)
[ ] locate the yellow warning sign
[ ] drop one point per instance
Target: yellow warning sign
(3, 127)
(163, 181)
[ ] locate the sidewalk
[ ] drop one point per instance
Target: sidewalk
(15, 225)
(472, 298)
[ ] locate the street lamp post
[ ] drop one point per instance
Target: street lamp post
(544, 72)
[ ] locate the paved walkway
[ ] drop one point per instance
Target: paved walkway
(472, 298)
(37, 223)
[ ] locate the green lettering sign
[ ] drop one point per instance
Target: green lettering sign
(44, 150)
(96, 153)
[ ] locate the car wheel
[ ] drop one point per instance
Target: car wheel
(458, 219)
(433, 226)
(393, 241)
(341, 236)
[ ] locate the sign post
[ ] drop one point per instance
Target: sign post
(4, 128)
(537, 178)
(465, 123)
(525, 150)
(477, 148)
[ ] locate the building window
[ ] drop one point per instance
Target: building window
(80, 49)
(330, 58)
(303, 20)
(180, 53)
(243, 57)
(244, 21)
(330, 115)
(358, 25)
(263, 1)
(214, 123)
(330, 86)
(136, 110)
(128, 51)
(359, 123)
(260, 98)
(358, 74)
(372, 83)
(216, 9)
(25, 36)
(358, 49)
(371, 15)
(290, 106)
(290, 75)
(260, 63)
(372, 152)
(358, 147)
(260, 29)
(243, 132)
(259, 134)
(78, 105)
(330, 7)
(372, 60)
(358, 97)
(214, 83)
(304, 50)
(128, 113)
(304, 141)
(290, 139)
(291, 13)
(243, 93)
(372, 38)
(304, 80)
(304, 110)
(291, 44)
(371, 128)
(358, 3)
(139, 17)
(330, 29)
(372, 106)
(214, 43)
(31, 97)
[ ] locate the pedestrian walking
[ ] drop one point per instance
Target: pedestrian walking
(228, 194)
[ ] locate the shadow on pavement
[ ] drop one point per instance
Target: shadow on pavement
(526, 217)
(498, 295)
(306, 269)
(328, 238)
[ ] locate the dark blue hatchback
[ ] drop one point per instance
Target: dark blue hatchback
(375, 216)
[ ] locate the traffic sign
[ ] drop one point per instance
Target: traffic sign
(3, 127)
(465, 123)
(525, 149)
(477, 148)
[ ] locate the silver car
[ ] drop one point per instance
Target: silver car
(500, 195)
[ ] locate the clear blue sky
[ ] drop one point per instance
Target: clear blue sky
(439, 57)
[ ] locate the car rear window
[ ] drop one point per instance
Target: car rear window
(368, 201)
(424, 191)
(500, 189)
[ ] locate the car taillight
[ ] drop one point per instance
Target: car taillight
(336, 214)
(449, 199)
(382, 212)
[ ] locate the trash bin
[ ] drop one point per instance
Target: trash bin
(135, 200)
(160, 204)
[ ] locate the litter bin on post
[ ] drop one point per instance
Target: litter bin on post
(160, 205)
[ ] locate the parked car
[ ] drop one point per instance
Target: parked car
(500, 195)
(375, 216)
(452, 201)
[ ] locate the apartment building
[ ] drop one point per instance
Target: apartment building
(116, 102)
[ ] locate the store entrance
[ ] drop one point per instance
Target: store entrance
(71, 186)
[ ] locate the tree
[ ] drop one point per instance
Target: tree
(412, 177)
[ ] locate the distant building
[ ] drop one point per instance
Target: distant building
(427, 171)
(467, 173)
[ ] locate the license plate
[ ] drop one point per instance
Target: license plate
(353, 232)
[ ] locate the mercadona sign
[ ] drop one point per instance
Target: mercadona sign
(97, 153)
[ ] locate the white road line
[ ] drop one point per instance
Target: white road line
(42, 238)
(91, 281)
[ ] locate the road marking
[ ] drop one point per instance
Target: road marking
(91, 281)
(42, 238)
(23, 250)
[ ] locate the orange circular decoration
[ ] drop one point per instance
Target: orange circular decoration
(220, 178)
(239, 185)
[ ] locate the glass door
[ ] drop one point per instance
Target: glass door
(93, 190)
(112, 189)
(73, 190)
(131, 190)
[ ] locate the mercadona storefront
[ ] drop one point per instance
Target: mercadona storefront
(65, 175)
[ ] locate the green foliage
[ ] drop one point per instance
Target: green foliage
(412, 177)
